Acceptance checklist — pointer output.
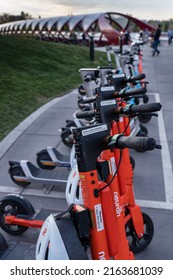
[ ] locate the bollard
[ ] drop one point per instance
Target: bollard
(121, 43)
(92, 47)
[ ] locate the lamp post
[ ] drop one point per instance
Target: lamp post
(92, 47)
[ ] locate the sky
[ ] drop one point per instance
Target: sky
(142, 9)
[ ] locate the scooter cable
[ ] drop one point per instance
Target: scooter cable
(127, 125)
(96, 191)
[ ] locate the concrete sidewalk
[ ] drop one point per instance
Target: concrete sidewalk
(153, 176)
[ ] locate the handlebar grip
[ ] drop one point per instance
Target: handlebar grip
(141, 143)
(84, 115)
(133, 91)
(145, 108)
(136, 78)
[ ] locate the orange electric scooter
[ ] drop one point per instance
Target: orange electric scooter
(109, 215)
(122, 191)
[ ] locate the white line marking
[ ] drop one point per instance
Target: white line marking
(154, 204)
(166, 159)
(167, 167)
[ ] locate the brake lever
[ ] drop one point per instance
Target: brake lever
(158, 147)
(140, 82)
(145, 82)
(148, 114)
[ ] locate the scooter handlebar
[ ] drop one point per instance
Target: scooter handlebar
(88, 99)
(136, 78)
(131, 92)
(85, 114)
(145, 108)
(142, 143)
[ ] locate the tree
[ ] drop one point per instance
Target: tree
(25, 15)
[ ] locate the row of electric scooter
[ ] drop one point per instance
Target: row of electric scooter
(103, 220)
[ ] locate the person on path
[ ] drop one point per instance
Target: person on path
(156, 40)
(170, 36)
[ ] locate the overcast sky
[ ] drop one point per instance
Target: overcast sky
(142, 9)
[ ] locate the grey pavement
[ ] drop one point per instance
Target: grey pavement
(153, 175)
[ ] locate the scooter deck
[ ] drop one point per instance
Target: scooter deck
(57, 174)
(61, 157)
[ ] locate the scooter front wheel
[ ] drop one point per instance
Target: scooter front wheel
(144, 118)
(71, 124)
(16, 171)
(145, 98)
(12, 208)
(143, 131)
(132, 161)
(137, 244)
(44, 161)
(67, 138)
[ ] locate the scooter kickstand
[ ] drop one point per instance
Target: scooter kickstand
(47, 191)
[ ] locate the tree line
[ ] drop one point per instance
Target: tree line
(165, 24)
(6, 17)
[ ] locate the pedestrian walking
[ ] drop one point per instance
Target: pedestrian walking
(170, 36)
(156, 40)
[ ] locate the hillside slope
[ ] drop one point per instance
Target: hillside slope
(33, 72)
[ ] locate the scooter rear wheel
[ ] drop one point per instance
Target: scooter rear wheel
(137, 244)
(17, 171)
(14, 208)
(81, 90)
(44, 157)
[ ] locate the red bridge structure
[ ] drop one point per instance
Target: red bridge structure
(105, 27)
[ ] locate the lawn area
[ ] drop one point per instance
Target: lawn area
(33, 72)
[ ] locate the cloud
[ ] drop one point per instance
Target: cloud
(77, 3)
(142, 9)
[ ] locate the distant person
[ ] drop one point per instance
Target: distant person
(73, 38)
(83, 39)
(141, 35)
(156, 40)
(127, 37)
(170, 36)
(146, 34)
(152, 38)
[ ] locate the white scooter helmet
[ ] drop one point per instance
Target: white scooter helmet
(73, 191)
(58, 240)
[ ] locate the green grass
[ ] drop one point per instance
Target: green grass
(34, 72)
